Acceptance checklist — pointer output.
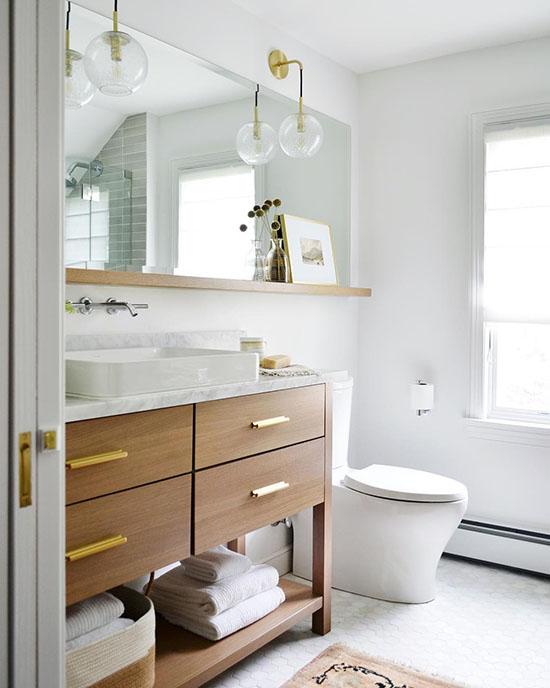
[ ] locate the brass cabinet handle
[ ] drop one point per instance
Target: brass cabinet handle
(71, 464)
(258, 424)
(269, 489)
(95, 547)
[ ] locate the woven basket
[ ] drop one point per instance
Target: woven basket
(124, 660)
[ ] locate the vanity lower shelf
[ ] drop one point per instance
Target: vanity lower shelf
(182, 654)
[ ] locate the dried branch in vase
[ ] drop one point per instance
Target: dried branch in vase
(261, 212)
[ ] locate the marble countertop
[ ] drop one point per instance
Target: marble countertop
(79, 408)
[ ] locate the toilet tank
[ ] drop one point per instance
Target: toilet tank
(342, 391)
(302, 522)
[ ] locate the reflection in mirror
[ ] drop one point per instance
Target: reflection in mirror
(154, 183)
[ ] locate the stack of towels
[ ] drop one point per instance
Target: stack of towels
(93, 619)
(217, 593)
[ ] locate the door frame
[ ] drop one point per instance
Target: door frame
(36, 619)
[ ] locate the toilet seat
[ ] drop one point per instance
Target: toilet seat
(404, 484)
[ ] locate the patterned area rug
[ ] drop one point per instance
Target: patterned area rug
(339, 667)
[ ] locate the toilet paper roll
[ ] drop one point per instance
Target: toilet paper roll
(422, 396)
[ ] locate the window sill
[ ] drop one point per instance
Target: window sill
(534, 434)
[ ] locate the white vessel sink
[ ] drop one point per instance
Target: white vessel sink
(107, 373)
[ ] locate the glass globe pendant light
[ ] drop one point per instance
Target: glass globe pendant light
(79, 90)
(115, 62)
(300, 134)
(256, 141)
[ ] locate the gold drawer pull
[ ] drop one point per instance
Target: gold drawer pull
(258, 424)
(268, 489)
(95, 547)
(96, 458)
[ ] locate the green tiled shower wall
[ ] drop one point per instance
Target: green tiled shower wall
(124, 157)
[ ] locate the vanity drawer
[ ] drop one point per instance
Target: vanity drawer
(225, 504)
(158, 445)
(225, 428)
(154, 519)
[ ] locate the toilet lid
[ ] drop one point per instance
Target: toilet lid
(404, 484)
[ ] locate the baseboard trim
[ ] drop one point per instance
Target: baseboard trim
(281, 560)
(527, 554)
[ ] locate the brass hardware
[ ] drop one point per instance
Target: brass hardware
(257, 129)
(72, 464)
(95, 547)
(25, 469)
(259, 424)
(269, 489)
(278, 64)
(49, 440)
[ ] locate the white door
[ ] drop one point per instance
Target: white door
(35, 346)
(4, 331)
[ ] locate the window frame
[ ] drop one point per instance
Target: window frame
(196, 162)
(482, 376)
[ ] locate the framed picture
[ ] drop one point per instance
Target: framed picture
(308, 244)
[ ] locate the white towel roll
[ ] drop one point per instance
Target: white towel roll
(185, 594)
(229, 621)
(216, 564)
(87, 615)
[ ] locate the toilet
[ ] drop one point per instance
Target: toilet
(390, 524)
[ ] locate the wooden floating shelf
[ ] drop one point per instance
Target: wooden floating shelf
(185, 660)
(139, 279)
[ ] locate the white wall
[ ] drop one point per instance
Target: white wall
(319, 331)
(415, 253)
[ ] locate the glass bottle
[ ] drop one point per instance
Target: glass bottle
(255, 262)
(277, 269)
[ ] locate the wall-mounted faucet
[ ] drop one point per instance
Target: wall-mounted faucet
(112, 306)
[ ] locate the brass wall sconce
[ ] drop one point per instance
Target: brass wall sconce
(300, 134)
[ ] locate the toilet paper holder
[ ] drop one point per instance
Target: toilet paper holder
(422, 397)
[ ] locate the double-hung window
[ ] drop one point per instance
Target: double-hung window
(513, 271)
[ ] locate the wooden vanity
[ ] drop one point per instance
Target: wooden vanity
(149, 488)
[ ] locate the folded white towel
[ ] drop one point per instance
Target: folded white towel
(207, 599)
(229, 621)
(92, 613)
(102, 632)
(216, 564)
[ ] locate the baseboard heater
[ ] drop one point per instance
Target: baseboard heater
(516, 547)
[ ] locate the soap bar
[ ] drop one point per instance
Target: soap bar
(276, 361)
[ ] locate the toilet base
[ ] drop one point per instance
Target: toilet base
(385, 549)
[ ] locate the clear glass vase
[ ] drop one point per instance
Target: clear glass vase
(277, 269)
(255, 262)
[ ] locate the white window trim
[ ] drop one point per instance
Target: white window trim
(194, 162)
(536, 434)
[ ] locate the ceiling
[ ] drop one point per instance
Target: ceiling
(364, 35)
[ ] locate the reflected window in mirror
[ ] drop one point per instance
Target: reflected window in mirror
(212, 203)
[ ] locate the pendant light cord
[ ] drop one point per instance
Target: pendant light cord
(301, 82)
(68, 15)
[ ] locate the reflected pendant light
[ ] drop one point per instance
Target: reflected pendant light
(300, 134)
(79, 90)
(115, 62)
(256, 141)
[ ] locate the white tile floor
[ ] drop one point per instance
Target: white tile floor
(487, 628)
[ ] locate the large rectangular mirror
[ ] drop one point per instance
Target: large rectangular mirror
(153, 180)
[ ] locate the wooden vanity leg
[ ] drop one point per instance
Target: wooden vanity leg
(322, 566)
(322, 533)
(238, 545)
